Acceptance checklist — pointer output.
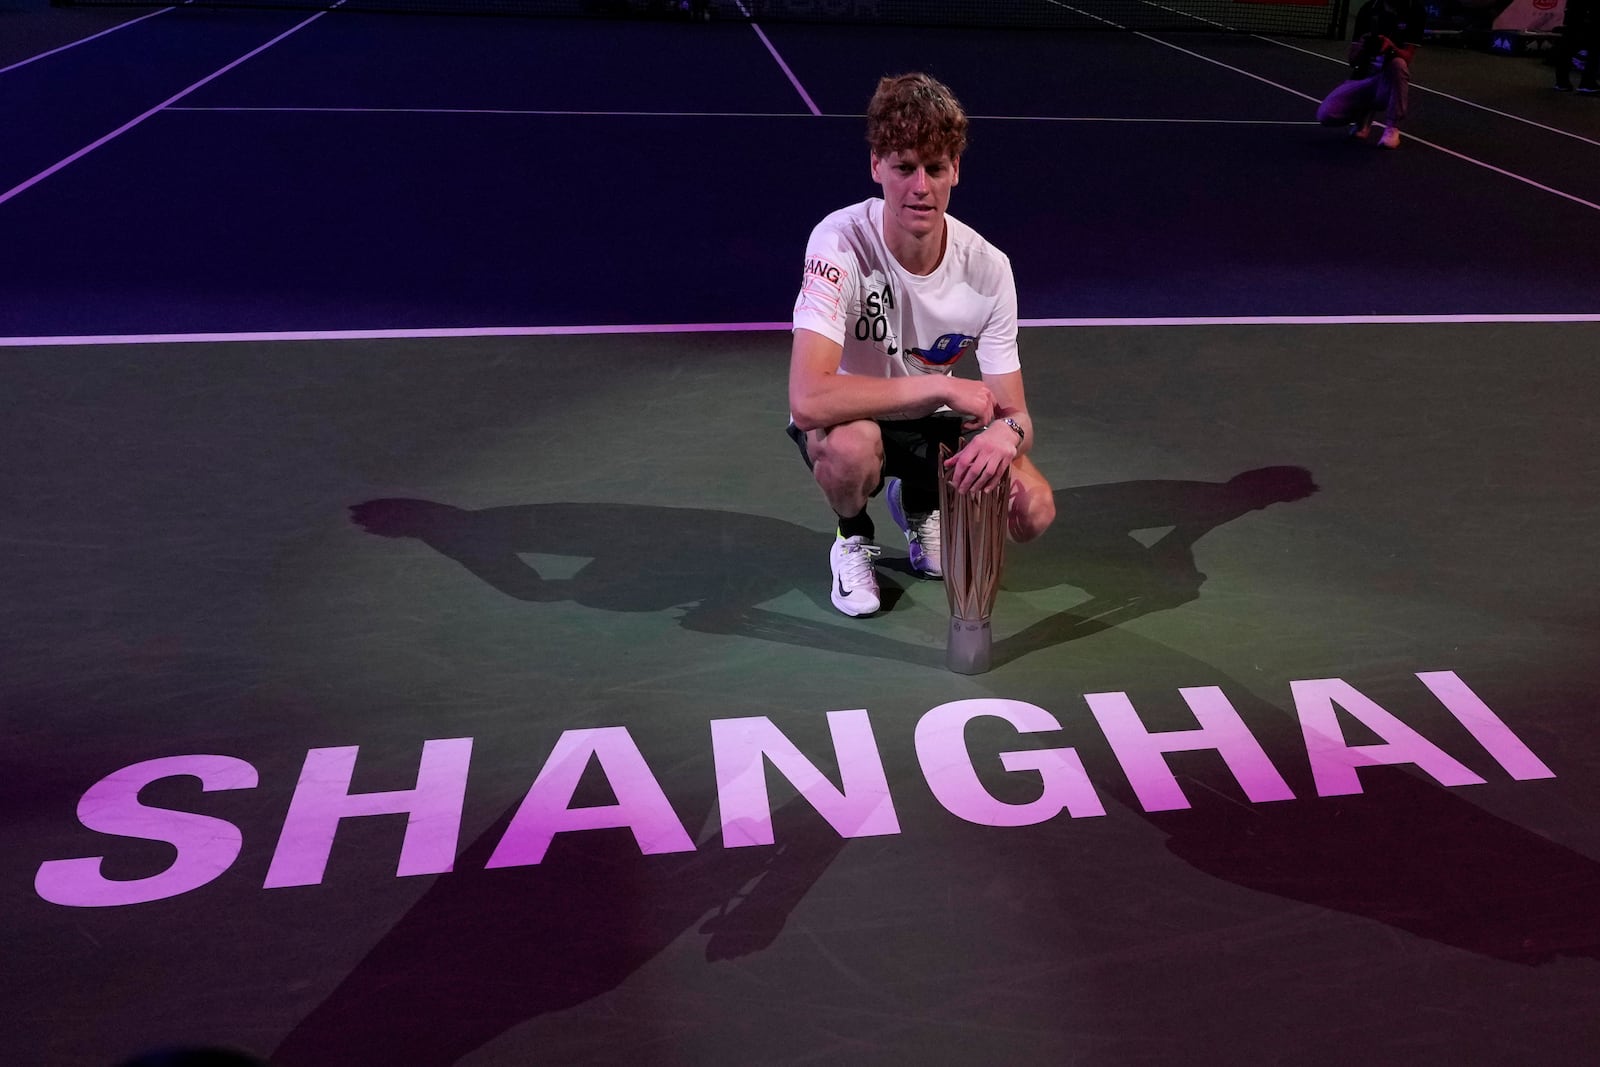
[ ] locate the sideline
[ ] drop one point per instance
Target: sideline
(794, 81)
(1304, 96)
(757, 327)
(18, 190)
(86, 40)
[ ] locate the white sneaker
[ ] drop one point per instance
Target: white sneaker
(1390, 138)
(922, 534)
(855, 586)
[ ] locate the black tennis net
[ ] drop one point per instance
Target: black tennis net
(1301, 18)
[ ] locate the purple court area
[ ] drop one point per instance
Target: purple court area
(369, 172)
(442, 670)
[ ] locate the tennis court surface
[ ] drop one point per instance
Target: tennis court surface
(417, 644)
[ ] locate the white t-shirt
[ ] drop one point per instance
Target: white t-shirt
(893, 323)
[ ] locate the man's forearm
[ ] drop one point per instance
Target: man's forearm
(831, 399)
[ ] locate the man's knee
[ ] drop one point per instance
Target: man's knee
(1033, 503)
(847, 455)
(1031, 515)
(1338, 106)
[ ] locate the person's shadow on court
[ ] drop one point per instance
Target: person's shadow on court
(442, 983)
(1093, 546)
(715, 567)
(1405, 852)
(483, 951)
(718, 567)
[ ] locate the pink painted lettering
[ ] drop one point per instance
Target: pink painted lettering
(741, 749)
(1143, 754)
(323, 799)
(947, 765)
(641, 804)
(1489, 729)
(207, 846)
(1333, 763)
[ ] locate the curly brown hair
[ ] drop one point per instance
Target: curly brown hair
(916, 113)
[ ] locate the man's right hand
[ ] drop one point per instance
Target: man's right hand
(972, 399)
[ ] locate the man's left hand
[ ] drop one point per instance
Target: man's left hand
(984, 460)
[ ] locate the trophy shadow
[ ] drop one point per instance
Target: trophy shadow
(717, 568)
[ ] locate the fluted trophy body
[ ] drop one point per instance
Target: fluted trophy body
(973, 546)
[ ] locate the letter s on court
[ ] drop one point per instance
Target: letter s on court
(207, 846)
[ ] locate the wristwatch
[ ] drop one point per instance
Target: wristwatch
(1014, 424)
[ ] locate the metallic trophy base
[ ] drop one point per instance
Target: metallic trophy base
(969, 646)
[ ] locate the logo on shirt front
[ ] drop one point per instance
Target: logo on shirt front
(873, 325)
(943, 353)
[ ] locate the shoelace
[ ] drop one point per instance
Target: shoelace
(929, 530)
(857, 562)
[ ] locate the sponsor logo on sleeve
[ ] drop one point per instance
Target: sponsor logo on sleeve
(821, 287)
(817, 267)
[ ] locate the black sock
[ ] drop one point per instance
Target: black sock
(858, 525)
(918, 499)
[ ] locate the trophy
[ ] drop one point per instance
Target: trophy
(972, 547)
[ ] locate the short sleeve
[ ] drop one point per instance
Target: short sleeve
(997, 344)
(829, 283)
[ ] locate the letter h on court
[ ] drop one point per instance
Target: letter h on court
(323, 798)
(1142, 753)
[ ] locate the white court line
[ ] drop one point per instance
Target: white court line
(1138, 121)
(125, 127)
(1415, 85)
(1185, 51)
(1226, 66)
(1314, 320)
(1447, 96)
(561, 113)
(398, 335)
(801, 89)
(84, 40)
(762, 327)
(535, 112)
(1191, 15)
(1502, 171)
(1409, 137)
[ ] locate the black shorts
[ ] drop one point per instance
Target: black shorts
(910, 448)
